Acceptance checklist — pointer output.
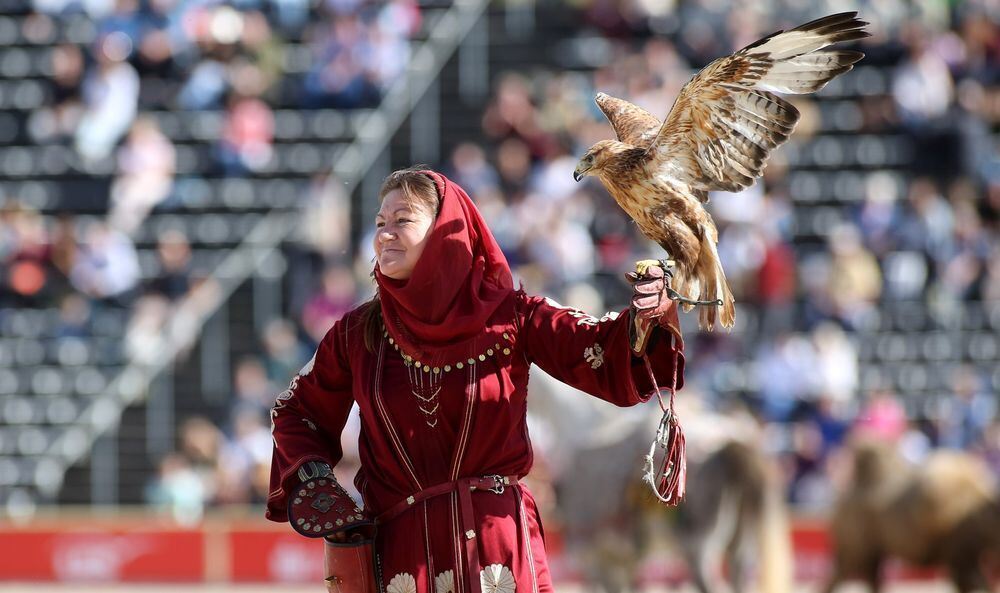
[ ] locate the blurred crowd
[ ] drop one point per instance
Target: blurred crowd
(110, 69)
(924, 233)
(241, 60)
(927, 232)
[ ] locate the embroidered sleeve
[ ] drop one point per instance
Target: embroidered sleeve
(592, 353)
(308, 417)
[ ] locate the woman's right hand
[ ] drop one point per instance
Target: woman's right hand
(337, 538)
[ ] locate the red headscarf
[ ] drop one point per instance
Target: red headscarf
(459, 300)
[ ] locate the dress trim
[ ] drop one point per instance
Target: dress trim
(380, 405)
(431, 584)
(527, 538)
(402, 583)
(497, 578)
(501, 347)
(445, 582)
(456, 537)
(472, 393)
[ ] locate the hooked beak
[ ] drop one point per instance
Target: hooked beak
(581, 171)
(577, 176)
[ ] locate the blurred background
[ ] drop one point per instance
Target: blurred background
(187, 189)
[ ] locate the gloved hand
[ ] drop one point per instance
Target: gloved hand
(649, 302)
(320, 507)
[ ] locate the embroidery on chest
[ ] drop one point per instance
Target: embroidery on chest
(425, 387)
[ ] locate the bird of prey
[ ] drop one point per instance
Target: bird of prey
(718, 134)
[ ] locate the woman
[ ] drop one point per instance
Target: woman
(438, 364)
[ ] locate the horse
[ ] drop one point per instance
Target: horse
(733, 512)
(942, 512)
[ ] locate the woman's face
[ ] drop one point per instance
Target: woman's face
(401, 230)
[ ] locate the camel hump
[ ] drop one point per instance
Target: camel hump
(956, 485)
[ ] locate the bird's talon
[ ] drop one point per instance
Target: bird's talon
(642, 266)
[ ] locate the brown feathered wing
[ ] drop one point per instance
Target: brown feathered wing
(633, 125)
(727, 119)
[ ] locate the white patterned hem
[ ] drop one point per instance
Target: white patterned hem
(497, 578)
(402, 583)
(445, 582)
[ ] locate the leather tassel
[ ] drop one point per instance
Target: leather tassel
(672, 483)
(669, 479)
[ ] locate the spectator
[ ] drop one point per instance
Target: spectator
(251, 388)
(178, 490)
(966, 415)
(341, 78)
(111, 96)
(336, 297)
(26, 255)
(285, 353)
(855, 283)
(245, 145)
(74, 317)
(174, 254)
(146, 166)
(106, 266)
(59, 120)
(882, 417)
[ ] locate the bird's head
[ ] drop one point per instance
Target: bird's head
(597, 156)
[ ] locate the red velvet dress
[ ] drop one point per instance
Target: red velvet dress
(475, 425)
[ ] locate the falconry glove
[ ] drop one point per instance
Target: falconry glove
(320, 507)
(650, 300)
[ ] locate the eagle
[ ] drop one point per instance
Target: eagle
(723, 125)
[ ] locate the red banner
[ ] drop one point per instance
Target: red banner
(256, 551)
(266, 556)
(102, 554)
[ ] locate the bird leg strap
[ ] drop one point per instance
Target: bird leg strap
(666, 464)
(676, 296)
(643, 268)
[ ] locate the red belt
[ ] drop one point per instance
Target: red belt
(464, 487)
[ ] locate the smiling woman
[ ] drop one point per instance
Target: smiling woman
(404, 221)
(441, 461)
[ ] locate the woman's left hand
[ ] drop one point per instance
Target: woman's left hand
(649, 302)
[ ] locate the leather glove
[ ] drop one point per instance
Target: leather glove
(320, 507)
(650, 302)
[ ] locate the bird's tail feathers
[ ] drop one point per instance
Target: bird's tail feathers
(713, 285)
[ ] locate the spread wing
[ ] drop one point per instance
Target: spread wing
(633, 124)
(727, 119)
